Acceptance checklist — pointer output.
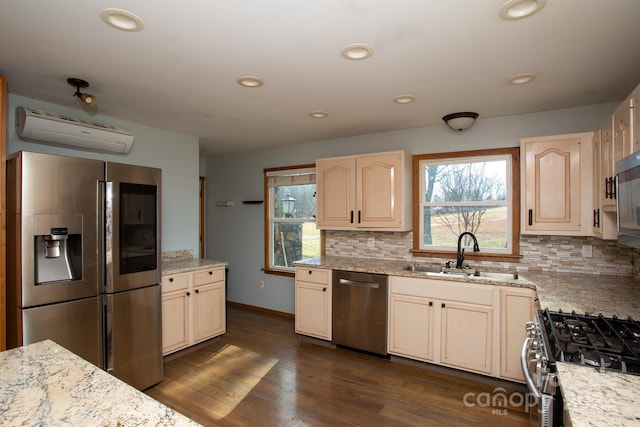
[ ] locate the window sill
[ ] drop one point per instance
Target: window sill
(279, 272)
(467, 255)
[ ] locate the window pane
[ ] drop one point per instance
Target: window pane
(466, 182)
(489, 223)
(293, 241)
(294, 201)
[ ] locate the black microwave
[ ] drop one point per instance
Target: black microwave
(628, 200)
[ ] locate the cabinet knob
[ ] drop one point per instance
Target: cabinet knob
(188, 293)
(324, 289)
(310, 271)
(430, 303)
(210, 273)
(443, 305)
(170, 279)
(197, 291)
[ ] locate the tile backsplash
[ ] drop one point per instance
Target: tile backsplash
(539, 253)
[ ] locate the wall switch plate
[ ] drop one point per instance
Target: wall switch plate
(587, 251)
(261, 284)
(371, 242)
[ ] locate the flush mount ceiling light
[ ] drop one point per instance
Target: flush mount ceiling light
(122, 19)
(520, 79)
(250, 81)
(85, 98)
(518, 9)
(318, 114)
(460, 121)
(404, 99)
(357, 51)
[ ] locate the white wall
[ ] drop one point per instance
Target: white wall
(236, 234)
(176, 154)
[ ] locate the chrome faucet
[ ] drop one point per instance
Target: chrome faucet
(460, 256)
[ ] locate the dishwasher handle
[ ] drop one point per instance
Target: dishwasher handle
(358, 283)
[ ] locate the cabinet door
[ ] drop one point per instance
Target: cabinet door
(175, 321)
(635, 131)
(208, 311)
(552, 196)
(379, 199)
(313, 310)
(336, 192)
(517, 307)
(607, 165)
(411, 327)
(597, 203)
(622, 130)
(467, 339)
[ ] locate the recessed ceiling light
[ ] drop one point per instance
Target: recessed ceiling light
(122, 19)
(249, 81)
(404, 99)
(357, 51)
(318, 114)
(518, 9)
(520, 79)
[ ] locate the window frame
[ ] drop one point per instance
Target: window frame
(268, 268)
(514, 152)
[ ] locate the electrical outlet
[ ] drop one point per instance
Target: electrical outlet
(261, 284)
(371, 242)
(587, 251)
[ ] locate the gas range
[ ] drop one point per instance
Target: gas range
(603, 343)
(597, 341)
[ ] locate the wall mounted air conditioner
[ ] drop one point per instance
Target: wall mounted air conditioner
(56, 129)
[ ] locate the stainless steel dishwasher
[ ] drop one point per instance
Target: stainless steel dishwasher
(359, 313)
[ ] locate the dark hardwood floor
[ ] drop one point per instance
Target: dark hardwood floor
(261, 374)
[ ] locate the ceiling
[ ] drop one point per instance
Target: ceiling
(180, 72)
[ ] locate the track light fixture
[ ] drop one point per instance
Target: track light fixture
(460, 121)
(86, 98)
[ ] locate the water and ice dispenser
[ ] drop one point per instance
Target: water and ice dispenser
(58, 254)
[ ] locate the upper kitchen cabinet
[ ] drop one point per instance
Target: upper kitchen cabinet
(635, 128)
(557, 184)
(367, 192)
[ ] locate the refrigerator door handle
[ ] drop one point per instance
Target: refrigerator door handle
(107, 235)
(108, 329)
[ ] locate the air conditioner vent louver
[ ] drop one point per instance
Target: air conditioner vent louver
(57, 129)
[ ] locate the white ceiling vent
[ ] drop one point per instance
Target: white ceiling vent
(56, 129)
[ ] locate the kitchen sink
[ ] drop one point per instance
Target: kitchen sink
(423, 268)
(494, 275)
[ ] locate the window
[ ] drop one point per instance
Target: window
(476, 191)
(290, 217)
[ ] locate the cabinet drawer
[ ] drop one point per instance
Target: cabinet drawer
(175, 282)
(442, 290)
(208, 276)
(313, 275)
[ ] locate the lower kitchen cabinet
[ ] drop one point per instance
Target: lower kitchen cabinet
(467, 338)
(410, 330)
(193, 308)
(313, 302)
(517, 307)
(444, 322)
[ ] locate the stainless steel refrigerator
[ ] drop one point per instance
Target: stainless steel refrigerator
(83, 264)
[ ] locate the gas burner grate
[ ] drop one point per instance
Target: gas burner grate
(598, 341)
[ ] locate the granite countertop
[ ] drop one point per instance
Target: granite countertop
(602, 399)
(45, 384)
(183, 265)
(398, 268)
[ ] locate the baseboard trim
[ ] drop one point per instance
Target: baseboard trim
(261, 309)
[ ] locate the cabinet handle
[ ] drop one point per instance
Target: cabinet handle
(443, 305)
(188, 294)
(530, 216)
(606, 188)
(351, 220)
(430, 303)
(613, 187)
(324, 289)
(596, 218)
(359, 216)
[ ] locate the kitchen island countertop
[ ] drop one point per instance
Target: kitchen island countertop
(46, 384)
